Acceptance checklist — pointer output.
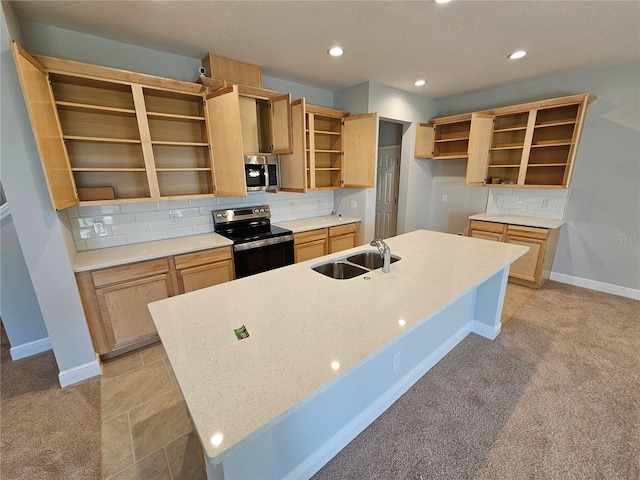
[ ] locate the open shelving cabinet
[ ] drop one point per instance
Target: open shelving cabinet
(532, 145)
(112, 136)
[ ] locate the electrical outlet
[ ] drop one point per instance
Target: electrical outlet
(396, 360)
(354, 204)
(495, 200)
(174, 219)
(293, 206)
(444, 197)
(98, 228)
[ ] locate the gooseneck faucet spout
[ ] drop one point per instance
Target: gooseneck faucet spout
(385, 253)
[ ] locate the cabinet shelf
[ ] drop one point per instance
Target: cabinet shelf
(508, 147)
(509, 129)
(94, 108)
(107, 169)
(326, 132)
(505, 166)
(555, 124)
(185, 169)
(551, 144)
(174, 116)
(180, 144)
(456, 139)
(547, 165)
(317, 150)
(99, 139)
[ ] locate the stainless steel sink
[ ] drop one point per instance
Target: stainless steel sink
(339, 270)
(350, 267)
(370, 259)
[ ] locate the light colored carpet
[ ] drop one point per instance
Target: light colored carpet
(46, 432)
(555, 396)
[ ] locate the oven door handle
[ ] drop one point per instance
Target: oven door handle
(262, 243)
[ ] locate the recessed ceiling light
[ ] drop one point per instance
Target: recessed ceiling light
(336, 52)
(442, 1)
(518, 54)
(419, 83)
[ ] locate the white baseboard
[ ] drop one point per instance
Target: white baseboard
(30, 348)
(595, 285)
(79, 373)
(485, 330)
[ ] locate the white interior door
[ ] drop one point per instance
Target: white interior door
(387, 191)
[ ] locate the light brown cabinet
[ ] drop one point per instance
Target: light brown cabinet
(115, 299)
(534, 267)
(107, 135)
(115, 302)
(343, 237)
(203, 269)
(322, 241)
(330, 149)
(458, 136)
(255, 122)
(310, 244)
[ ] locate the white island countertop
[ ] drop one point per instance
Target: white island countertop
(540, 222)
(137, 252)
(306, 330)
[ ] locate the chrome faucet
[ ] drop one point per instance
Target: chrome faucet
(385, 253)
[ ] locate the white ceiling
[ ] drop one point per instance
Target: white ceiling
(457, 47)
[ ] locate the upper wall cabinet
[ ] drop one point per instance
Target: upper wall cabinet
(531, 145)
(330, 149)
(459, 136)
(527, 145)
(109, 136)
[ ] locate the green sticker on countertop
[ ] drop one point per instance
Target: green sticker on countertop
(241, 332)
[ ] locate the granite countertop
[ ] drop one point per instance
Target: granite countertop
(305, 323)
(137, 252)
(306, 224)
(518, 220)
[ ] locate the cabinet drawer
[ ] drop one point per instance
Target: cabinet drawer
(129, 272)
(202, 257)
(486, 226)
(530, 232)
(310, 236)
(343, 229)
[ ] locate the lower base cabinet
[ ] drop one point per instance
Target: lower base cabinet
(115, 299)
(534, 267)
(322, 241)
(203, 269)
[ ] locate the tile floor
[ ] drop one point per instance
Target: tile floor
(146, 431)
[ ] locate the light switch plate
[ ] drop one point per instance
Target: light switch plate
(354, 204)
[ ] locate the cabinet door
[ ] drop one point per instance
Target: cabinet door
(293, 170)
(496, 237)
(343, 237)
(529, 266)
(124, 308)
(191, 279)
(425, 137)
(46, 128)
(479, 146)
(309, 250)
(359, 147)
(225, 134)
(280, 116)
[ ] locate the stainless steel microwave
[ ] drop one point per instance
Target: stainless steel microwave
(262, 172)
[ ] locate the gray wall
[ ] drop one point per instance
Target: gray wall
(389, 134)
(600, 241)
(19, 307)
(37, 226)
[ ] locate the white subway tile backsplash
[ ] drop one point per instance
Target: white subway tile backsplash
(152, 216)
(144, 237)
(144, 222)
(543, 202)
(104, 242)
(139, 207)
(177, 232)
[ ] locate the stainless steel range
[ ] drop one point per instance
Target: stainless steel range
(258, 246)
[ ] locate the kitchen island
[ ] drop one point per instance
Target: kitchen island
(324, 357)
